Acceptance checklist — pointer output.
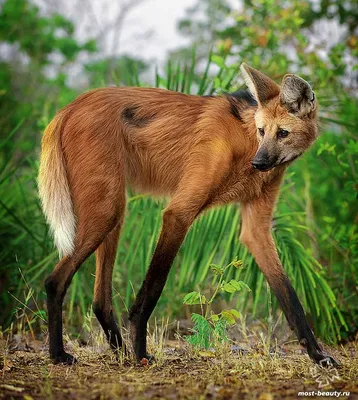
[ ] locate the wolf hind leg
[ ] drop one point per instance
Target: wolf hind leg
(58, 282)
(102, 303)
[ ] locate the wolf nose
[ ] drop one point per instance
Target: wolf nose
(260, 165)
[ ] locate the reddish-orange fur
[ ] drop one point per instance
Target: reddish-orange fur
(192, 148)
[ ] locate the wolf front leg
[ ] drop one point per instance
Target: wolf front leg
(256, 236)
(192, 196)
(172, 235)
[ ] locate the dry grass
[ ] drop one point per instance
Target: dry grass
(180, 373)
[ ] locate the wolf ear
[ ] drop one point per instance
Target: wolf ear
(261, 86)
(297, 95)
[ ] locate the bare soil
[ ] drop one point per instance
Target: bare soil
(179, 373)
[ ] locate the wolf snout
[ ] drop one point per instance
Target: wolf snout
(262, 161)
(260, 165)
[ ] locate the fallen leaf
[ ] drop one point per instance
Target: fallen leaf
(144, 362)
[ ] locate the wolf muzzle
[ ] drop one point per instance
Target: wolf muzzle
(262, 160)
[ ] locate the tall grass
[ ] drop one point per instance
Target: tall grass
(213, 239)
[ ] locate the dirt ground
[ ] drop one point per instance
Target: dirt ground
(179, 373)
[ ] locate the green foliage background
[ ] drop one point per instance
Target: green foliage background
(316, 218)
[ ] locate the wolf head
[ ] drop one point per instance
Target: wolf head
(286, 118)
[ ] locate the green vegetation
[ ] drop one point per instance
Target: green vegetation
(315, 225)
(211, 328)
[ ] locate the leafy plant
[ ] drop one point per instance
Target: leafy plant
(210, 327)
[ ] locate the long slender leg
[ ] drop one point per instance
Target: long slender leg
(57, 283)
(256, 235)
(172, 235)
(102, 304)
(56, 286)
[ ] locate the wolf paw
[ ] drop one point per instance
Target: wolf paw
(325, 360)
(64, 358)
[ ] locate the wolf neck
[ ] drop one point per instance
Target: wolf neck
(243, 107)
(241, 102)
(248, 122)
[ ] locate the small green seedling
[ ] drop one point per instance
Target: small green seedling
(211, 328)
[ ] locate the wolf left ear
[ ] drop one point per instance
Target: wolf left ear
(261, 86)
(297, 95)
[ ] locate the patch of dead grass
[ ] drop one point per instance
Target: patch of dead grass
(180, 373)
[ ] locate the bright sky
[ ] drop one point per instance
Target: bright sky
(160, 16)
(149, 31)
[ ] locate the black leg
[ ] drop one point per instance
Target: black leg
(56, 286)
(103, 305)
(256, 235)
(171, 238)
(55, 295)
(296, 318)
(110, 327)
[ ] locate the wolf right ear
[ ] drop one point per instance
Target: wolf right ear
(297, 95)
(261, 86)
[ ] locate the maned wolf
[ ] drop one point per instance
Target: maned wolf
(202, 151)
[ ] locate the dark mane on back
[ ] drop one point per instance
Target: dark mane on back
(240, 100)
(243, 95)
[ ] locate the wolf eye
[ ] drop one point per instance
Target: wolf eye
(261, 131)
(282, 133)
